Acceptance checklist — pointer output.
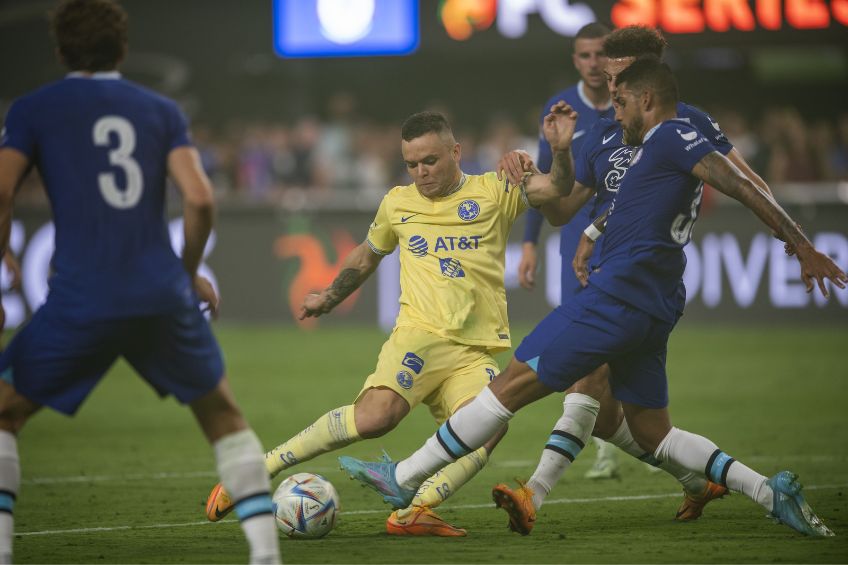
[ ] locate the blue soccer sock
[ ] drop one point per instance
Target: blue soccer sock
(241, 466)
(10, 481)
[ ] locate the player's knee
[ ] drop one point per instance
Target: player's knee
(372, 425)
(378, 412)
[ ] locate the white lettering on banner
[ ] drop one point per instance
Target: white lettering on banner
(35, 267)
(553, 281)
(561, 16)
(785, 287)
(743, 277)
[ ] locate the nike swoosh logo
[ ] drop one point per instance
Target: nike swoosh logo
(578, 134)
(219, 514)
(607, 139)
(403, 220)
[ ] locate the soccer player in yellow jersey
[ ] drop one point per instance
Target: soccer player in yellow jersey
(452, 232)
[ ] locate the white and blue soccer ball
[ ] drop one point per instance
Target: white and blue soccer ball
(306, 506)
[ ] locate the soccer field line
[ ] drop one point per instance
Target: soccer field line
(383, 511)
(514, 463)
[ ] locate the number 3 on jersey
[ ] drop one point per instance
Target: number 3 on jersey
(121, 156)
(683, 224)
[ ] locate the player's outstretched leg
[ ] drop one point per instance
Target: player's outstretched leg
(781, 495)
(419, 519)
(333, 430)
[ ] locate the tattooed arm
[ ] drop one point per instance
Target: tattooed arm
(357, 267)
(722, 174)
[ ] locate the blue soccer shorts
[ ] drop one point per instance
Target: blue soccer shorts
(56, 360)
(595, 328)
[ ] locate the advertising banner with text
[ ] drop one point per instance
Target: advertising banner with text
(265, 261)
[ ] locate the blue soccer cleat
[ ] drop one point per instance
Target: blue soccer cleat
(791, 509)
(380, 476)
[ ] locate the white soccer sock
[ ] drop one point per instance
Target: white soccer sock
(241, 466)
(700, 455)
(567, 439)
(10, 481)
(468, 429)
(622, 438)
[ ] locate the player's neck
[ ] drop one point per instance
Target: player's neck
(654, 119)
(454, 186)
(599, 97)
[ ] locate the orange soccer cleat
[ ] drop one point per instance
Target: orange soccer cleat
(218, 504)
(518, 504)
(420, 521)
(693, 504)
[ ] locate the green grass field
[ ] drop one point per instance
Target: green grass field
(126, 480)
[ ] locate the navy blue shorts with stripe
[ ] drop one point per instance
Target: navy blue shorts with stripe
(594, 328)
(56, 361)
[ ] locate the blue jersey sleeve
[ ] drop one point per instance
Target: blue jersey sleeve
(178, 128)
(584, 171)
(705, 124)
(684, 146)
(17, 132)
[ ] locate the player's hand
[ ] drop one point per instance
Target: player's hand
(816, 266)
(207, 295)
(558, 126)
(316, 304)
(527, 266)
(580, 264)
(514, 164)
(14, 268)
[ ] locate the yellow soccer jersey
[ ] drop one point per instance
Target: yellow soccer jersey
(452, 257)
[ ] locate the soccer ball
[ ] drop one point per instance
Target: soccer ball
(306, 506)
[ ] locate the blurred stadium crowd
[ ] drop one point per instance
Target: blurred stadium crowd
(316, 159)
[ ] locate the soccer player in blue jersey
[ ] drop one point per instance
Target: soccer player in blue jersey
(104, 147)
(591, 100)
(589, 408)
(625, 315)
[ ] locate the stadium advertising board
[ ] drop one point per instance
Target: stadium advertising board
(265, 263)
(462, 18)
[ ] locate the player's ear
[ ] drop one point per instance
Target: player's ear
(456, 152)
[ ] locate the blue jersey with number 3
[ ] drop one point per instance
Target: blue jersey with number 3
(651, 220)
(101, 145)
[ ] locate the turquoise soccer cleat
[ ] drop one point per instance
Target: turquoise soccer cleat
(380, 476)
(791, 509)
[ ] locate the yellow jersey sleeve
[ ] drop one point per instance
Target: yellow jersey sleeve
(511, 199)
(382, 238)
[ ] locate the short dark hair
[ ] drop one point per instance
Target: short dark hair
(592, 30)
(650, 72)
(91, 34)
(635, 41)
(423, 123)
